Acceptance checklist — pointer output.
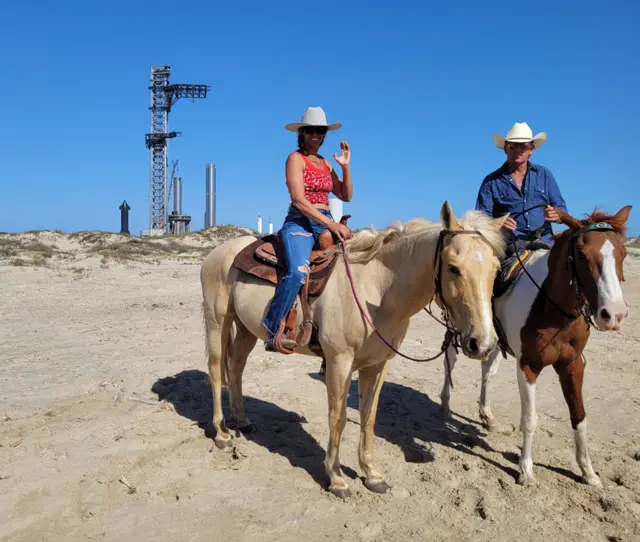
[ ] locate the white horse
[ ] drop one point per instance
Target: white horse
(394, 277)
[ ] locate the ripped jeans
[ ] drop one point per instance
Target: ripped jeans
(298, 235)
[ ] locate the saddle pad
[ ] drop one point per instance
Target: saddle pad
(510, 270)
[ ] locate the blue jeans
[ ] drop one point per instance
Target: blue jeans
(297, 235)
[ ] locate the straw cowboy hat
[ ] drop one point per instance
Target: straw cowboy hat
(313, 116)
(520, 133)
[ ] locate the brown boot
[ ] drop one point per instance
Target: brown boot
(280, 342)
(284, 345)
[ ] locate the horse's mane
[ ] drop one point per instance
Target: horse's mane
(618, 223)
(369, 243)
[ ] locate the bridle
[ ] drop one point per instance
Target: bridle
(452, 335)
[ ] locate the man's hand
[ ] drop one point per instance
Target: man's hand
(551, 215)
(509, 224)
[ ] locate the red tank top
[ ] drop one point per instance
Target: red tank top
(317, 182)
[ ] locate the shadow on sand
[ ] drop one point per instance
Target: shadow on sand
(278, 430)
(406, 417)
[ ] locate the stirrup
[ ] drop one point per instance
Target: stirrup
(280, 343)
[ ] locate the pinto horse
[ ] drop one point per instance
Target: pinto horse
(394, 274)
(547, 317)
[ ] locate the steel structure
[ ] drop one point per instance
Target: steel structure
(163, 97)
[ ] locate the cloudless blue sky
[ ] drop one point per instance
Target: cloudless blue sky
(419, 86)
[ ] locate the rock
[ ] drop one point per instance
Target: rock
(371, 531)
(400, 492)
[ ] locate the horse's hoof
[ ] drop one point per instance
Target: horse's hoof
(342, 493)
(526, 480)
(377, 487)
(248, 429)
(445, 412)
(592, 480)
(493, 426)
(223, 443)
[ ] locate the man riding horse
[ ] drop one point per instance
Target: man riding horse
(528, 192)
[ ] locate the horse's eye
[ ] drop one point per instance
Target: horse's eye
(582, 255)
(454, 270)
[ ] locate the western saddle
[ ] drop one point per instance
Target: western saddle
(264, 259)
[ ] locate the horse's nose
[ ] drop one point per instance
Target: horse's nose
(612, 316)
(473, 346)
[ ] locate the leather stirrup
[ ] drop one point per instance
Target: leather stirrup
(275, 344)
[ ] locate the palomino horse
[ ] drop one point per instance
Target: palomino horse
(394, 277)
(547, 322)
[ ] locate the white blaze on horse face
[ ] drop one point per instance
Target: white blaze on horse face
(612, 309)
(487, 321)
(609, 289)
(484, 300)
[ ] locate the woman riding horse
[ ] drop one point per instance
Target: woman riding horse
(310, 178)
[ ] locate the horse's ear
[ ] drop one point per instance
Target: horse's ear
(499, 222)
(447, 218)
(568, 220)
(623, 214)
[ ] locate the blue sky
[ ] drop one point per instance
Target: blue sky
(420, 88)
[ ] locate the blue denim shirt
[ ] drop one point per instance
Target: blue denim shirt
(499, 195)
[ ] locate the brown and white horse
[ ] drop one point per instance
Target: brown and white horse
(546, 318)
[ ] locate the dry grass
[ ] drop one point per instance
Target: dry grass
(39, 248)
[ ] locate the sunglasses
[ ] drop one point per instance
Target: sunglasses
(321, 130)
(519, 146)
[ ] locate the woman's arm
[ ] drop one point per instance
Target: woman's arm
(343, 189)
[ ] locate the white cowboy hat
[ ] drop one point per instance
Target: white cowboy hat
(313, 116)
(520, 133)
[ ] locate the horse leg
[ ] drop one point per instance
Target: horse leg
(528, 420)
(489, 369)
(445, 394)
(338, 380)
(217, 347)
(240, 349)
(370, 380)
(571, 377)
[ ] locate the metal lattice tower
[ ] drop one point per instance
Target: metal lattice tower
(163, 97)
